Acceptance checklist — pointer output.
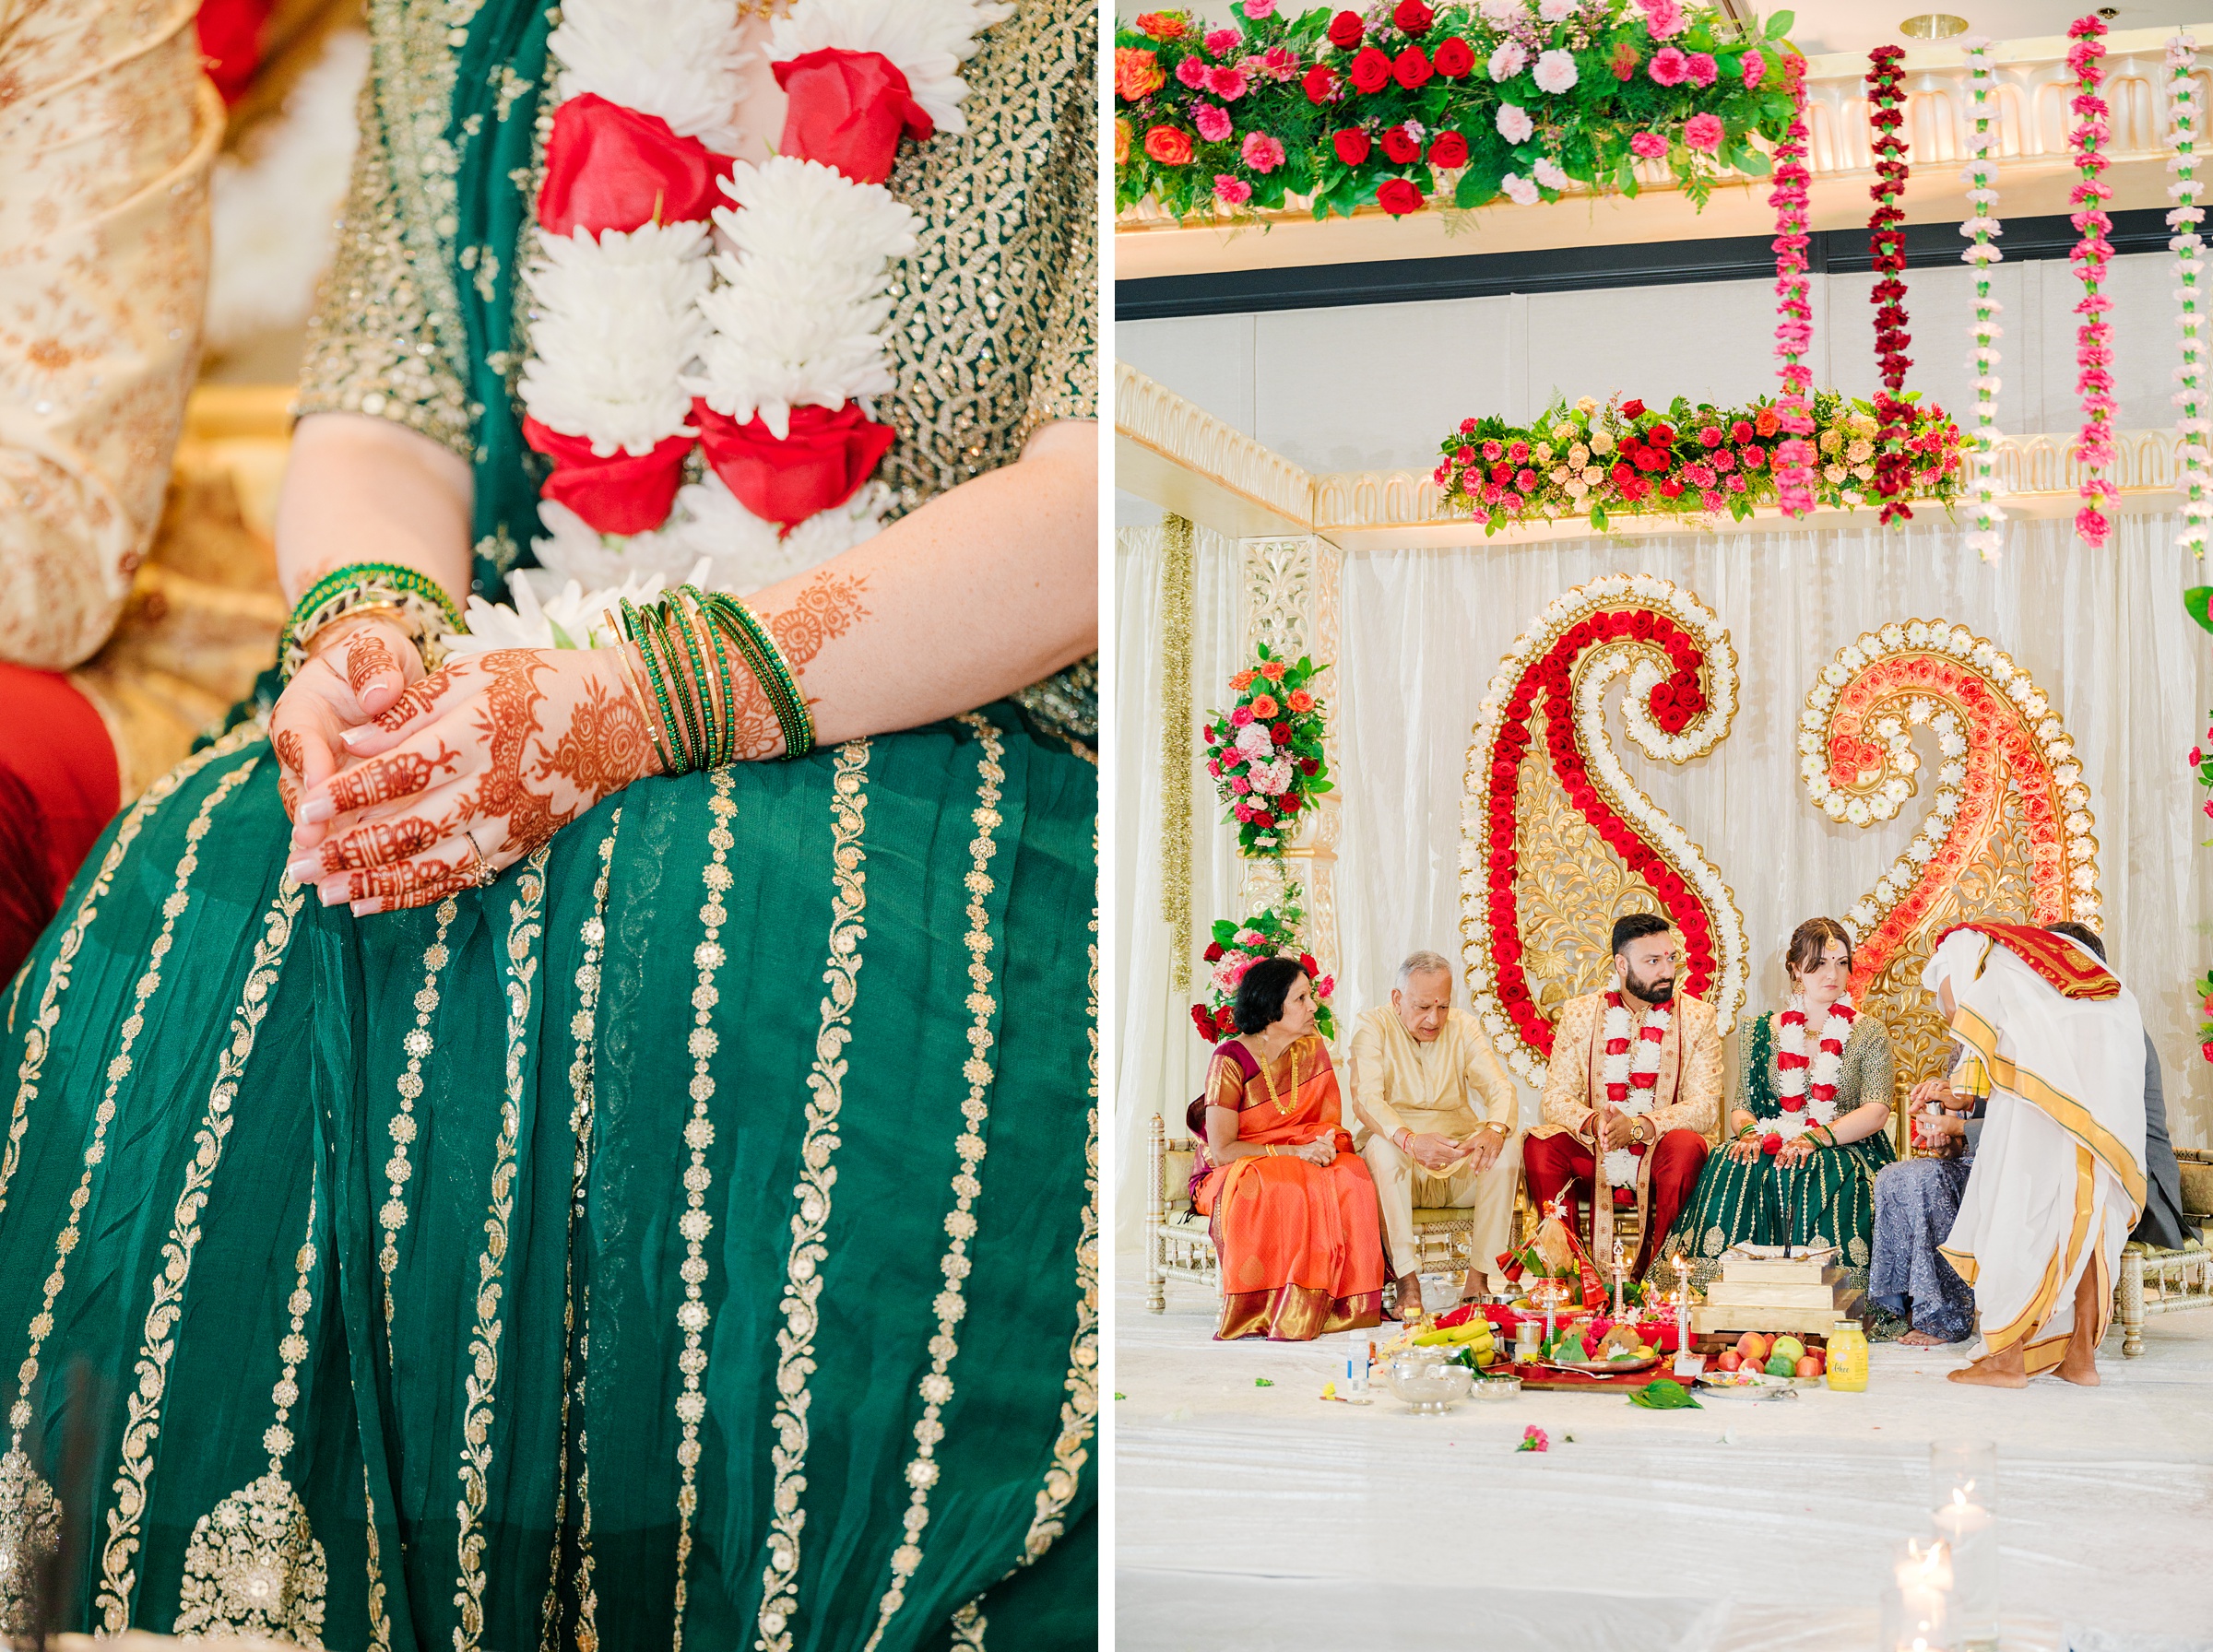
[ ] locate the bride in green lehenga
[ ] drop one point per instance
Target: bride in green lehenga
(661, 1212)
(1810, 1127)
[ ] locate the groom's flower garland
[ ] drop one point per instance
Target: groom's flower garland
(1982, 225)
(1996, 732)
(649, 342)
(1807, 1091)
(1681, 698)
(1630, 1080)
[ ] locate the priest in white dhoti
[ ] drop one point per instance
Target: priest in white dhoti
(1438, 1120)
(2058, 1179)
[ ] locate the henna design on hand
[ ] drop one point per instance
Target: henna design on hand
(383, 843)
(368, 655)
(288, 792)
(511, 717)
(412, 883)
(605, 746)
(386, 778)
(414, 700)
(291, 750)
(824, 611)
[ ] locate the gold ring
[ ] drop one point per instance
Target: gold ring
(483, 874)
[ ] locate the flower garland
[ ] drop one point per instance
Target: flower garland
(1630, 1084)
(2203, 989)
(1807, 1090)
(1887, 239)
(2196, 426)
(2094, 338)
(1681, 698)
(1462, 104)
(1581, 460)
(1794, 456)
(1266, 754)
(1982, 176)
(2201, 767)
(1995, 728)
(1238, 947)
(648, 344)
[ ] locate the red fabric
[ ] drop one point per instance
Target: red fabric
(848, 109)
(619, 494)
(1557, 1165)
(2057, 961)
(58, 788)
(231, 42)
(822, 463)
(612, 168)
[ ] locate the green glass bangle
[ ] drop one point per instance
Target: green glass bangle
(635, 628)
(694, 735)
(724, 723)
(422, 602)
(679, 623)
(777, 679)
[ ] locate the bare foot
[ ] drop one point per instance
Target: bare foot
(2080, 1364)
(1923, 1339)
(2001, 1370)
(1409, 1297)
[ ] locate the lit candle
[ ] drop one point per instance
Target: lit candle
(1924, 1580)
(1971, 1531)
(1682, 1305)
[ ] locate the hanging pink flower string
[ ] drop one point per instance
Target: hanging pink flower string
(1794, 315)
(2094, 339)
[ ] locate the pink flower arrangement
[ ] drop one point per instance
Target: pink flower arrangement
(1650, 145)
(1220, 43)
(1212, 120)
(1795, 316)
(2094, 338)
(1231, 191)
(1670, 66)
(1755, 70)
(1703, 71)
(1663, 19)
(1191, 72)
(1259, 10)
(1261, 152)
(1704, 133)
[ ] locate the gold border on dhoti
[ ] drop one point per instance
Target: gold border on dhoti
(2063, 1109)
(2038, 1313)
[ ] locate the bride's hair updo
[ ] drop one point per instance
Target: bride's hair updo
(1809, 941)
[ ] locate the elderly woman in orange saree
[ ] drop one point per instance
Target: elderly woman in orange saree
(1295, 1221)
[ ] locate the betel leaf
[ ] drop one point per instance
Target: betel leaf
(1779, 24)
(2199, 599)
(1664, 1394)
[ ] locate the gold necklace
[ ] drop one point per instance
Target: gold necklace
(1282, 1110)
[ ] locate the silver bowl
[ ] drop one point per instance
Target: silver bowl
(1498, 1387)
(1426, 1384)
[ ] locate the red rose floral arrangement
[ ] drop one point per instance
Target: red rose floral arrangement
(1265, 752)
(1238, 947)
(1580, 459)
(1405, 104)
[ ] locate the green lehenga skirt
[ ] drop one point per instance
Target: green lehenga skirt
(1831, 1196)
(689, 1239)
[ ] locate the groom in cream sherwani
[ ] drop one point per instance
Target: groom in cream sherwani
(1438, 1120)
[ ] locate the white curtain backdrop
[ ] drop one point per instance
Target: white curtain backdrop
(2103, 633)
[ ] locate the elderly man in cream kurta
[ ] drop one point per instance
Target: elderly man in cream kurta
(1437, 1118)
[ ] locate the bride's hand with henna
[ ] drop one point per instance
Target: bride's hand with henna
(354, 669)
(476, 764)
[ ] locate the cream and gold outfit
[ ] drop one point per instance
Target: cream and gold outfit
(1452, 1086)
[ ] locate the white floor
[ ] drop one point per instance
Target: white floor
(1252, 1518)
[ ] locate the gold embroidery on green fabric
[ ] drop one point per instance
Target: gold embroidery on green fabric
(30, 1535)
(38, 1040)
(482, 1381)
(582, 1028)
(142, 1418)
(379, 1625)
(952, 1304)
(119, 1069)
(818, 1175)
(254, 1566)
(968, 1626)
(696, 1224)
(393, 1215)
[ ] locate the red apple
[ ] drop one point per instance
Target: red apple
(1810, 1366)
(1730, 1360)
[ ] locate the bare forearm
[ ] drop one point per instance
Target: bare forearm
(984, 590)
(1861, 1121)
(360, 489)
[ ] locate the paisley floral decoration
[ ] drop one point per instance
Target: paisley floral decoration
(1995, 728)
(1681, 697)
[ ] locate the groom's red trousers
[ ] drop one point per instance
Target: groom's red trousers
(1560, 1163)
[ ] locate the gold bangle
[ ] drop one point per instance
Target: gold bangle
(637, 698)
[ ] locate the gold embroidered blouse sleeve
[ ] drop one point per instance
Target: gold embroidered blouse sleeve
(1065, 383)
(107, 134)
(1225, 1085)
(1568, 1080)
(372, 344)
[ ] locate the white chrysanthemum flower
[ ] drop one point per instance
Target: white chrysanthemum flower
(569, 618)
(796, 321)
(927, 39)
(682, 60)
(618, 324)
(746, 553)
(1621, 1167)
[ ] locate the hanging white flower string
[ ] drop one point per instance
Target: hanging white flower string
(1982, 227)
(2193, 425)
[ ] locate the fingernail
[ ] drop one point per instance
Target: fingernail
(352, 735)
(363, 908)
(303, 867)
(317, 810)
(332, 892)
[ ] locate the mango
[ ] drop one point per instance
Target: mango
(1780, 1366)
(1753, 1347)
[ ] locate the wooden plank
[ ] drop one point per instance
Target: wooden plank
(1774, 1296)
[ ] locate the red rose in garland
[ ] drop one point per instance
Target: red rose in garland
(1887, 239)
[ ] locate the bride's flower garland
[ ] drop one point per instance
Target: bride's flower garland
(1807, 1089)
(1982, 223)
(684, 299)
(2189, 264)
(1630, 1080)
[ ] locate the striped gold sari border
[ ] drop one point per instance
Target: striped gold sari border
(810, 1222)
(524, 925)
(695, 1223)
(952, 1304)
(142, 1418)
(392, 1215)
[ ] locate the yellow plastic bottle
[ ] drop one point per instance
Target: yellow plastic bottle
(1847, 1363)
